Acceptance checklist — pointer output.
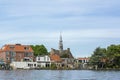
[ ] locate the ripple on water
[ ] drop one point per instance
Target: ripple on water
(59, 75)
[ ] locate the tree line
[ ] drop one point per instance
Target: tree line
(102, 57)
(106, 57)
(42, 50)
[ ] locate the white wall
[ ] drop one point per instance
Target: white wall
(24, 65)
(43, 59)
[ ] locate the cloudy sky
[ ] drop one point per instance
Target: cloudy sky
(85, 24)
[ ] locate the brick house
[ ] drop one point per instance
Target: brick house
(16, 52)
(55, 59)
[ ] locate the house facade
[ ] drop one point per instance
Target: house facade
(16, 52)
(24, 65)
(83, 62)
(43, 61)
(55, 59)
(68, 63)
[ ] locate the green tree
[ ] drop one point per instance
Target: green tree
(97, 57)
(113, 54)
(111, 57)
(39, 50)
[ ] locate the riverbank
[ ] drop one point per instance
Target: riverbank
(10, 68)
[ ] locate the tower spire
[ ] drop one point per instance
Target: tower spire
(61, 43)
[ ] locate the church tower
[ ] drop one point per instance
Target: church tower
(60, 44)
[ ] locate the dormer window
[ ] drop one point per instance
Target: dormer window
(12, 47)
(26, 48)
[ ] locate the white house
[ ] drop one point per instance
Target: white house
(83, 60)
(43, 61)
(24, 65)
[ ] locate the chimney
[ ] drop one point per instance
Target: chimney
(18, 44)
(68, 49)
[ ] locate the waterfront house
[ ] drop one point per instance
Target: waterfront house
(82, 62)
(55, 59)
(43, 61)
(23, 65)
(16, 53)
(68, 63)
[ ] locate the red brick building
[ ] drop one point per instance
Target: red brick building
(16, 52)
(55, 58)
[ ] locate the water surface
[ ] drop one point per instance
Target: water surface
(59, 75)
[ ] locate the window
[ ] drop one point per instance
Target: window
(7, 58)
(80, 61)
(12, 53)
(26, 48)
(38, 58)
(28, 65)
(7, 53)
(28, 54)
(83, 61)
(12, 59)
(12, 47)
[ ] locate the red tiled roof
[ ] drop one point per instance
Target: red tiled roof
(55, 57)
(83, 58)
(16, 47)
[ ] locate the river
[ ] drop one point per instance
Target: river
(59, 75)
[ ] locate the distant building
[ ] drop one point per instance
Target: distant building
(16, 52)
(68, 63)
(55, 59)
(62, 58)
(62, 53)
(83, 60)
(43, 61)
(83, 63)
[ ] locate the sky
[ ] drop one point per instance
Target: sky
(84, 24)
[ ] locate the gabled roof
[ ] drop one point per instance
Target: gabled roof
(67, 51)
(16, 48)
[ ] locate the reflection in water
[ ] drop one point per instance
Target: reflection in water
(59, 75)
